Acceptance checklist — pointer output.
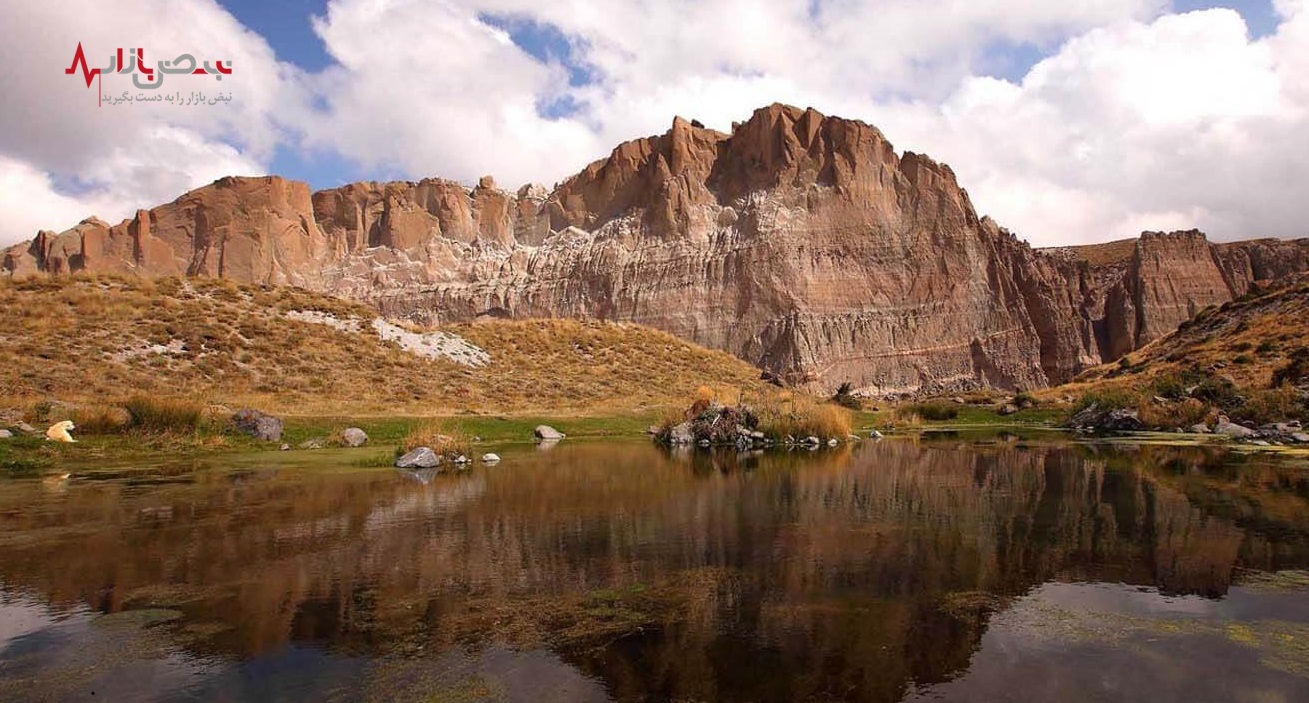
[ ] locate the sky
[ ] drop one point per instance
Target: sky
(1068, 122)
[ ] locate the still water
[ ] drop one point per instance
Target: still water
(938, 570)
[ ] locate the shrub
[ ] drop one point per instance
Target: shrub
(1275, 405)
(153, 415)
(844, 397)
(101, 419)
(1171, 386)
(934, 411)
(1107, 399)
(437, 436)
(1218, 391)
(1295, 370)
(803, 416)
(1165, 416)
(1267, 346)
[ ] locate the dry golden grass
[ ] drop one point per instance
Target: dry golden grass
(1247, 340)
(1106, 254)
(801, 416)
(443, 438)
(83, 340)
(1230, 353)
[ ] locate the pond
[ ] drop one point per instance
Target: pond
(952, 569)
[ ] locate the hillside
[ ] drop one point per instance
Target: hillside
(1248, 358)
(100, 339)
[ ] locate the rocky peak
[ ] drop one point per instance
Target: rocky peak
(802, 242)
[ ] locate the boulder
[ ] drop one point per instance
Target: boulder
(812, 440)
(1300, 437)
(1199, 428)
(258, 425)
(874, 434)
(420, 458)
(490, 458)
(461, 459)
(354, 437)
(1224, 426)
(1008, 409)
(1122, 420)
(548, 432)
(681, 434)
(1093, 417)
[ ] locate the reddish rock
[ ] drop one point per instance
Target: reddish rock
(801, 242)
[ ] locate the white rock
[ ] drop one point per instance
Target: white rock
(489, 458)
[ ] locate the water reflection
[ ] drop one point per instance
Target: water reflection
(630, 572)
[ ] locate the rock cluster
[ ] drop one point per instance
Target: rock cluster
(837, 258)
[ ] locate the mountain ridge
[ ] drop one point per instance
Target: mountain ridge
(800, 242)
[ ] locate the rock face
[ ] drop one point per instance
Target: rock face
(802, 243)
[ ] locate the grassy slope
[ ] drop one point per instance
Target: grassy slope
(1246, 339)
(62, 338)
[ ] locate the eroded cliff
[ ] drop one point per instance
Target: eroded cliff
(800, 242)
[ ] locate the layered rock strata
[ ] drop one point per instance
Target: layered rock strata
(802, 243)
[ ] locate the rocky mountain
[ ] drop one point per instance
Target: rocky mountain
(802, 243)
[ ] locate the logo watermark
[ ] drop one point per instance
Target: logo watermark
(133, 62)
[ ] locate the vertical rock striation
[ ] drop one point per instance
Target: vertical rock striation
(803, 243)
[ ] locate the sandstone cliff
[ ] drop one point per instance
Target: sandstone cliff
(802, 243)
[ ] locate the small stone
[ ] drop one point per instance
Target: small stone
(1008, 409)
(6, 434)
(653, 429)
(25, 428)
(812, 440)
(832, 442)
(1161, 400)
(548, 432)
(1199, 428)
(354, 437)
(1258, 443)
(315, 443)
(757, 435)
(420, 458)
(285, 447)
(1300, 437)
(489, 458)
(874, 434)
(461, 459)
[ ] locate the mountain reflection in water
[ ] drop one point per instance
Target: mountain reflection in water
(600, 571)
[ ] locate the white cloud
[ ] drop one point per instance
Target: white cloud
(123, 157)
(1181, 122)
(1135, 119)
